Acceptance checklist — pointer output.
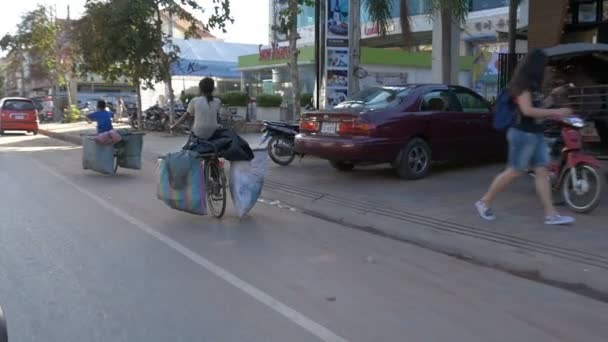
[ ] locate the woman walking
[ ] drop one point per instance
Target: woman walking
(527, 147)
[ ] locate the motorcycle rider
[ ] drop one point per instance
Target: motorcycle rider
(527, 147)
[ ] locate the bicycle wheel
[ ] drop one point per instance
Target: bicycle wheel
(115, 163)
(216, 188)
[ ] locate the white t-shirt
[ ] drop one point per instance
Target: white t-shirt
(205, 116)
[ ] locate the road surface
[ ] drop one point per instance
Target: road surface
(85, 257)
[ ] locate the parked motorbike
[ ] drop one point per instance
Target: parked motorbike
(185, 126)
(574, 174)
(154, 119)
(45, 116)
(281, 145)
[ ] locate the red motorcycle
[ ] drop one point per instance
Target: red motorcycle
(574, 173)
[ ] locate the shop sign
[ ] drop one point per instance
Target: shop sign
(274, 52)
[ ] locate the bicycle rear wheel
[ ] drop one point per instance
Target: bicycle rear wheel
(216, 188)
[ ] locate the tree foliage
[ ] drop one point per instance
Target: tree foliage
(125, 37)
(39, 37)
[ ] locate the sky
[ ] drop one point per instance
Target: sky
(250, 26)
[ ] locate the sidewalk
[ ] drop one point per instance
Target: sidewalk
(436, 212)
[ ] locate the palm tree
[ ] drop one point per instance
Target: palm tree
(448, 11)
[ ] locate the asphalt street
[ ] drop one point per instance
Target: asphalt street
(86, 257)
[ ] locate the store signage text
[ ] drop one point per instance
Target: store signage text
(274, 52)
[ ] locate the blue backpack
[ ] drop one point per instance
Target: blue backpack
(505, 114)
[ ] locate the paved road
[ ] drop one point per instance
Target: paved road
(85, 257)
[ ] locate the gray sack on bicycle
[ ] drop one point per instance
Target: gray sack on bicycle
(131, 158)
(97, 157)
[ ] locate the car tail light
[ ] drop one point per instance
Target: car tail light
(308, 125)
(355, 127)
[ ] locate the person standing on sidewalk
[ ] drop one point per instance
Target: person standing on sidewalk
(527, 147)
(120, 109)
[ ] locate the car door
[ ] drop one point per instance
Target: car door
(482, 139)
(445, 124)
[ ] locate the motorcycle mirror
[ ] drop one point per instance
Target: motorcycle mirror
(3, 329)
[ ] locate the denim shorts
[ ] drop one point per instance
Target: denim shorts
(527, 150)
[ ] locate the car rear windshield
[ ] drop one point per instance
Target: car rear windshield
(377, 98)
(18, 105)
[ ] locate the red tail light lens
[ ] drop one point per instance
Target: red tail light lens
(309, 126)
(355, 128)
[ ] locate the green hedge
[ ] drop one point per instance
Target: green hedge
(185, 98)
(305, 99)
(235, 99)
(269, 100)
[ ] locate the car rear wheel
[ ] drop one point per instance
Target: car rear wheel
(342, 166)
(414, 160)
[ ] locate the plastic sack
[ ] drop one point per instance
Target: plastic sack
(192, 197)
(108, 138)
(246, 181)
(97, 157)
(130, 158)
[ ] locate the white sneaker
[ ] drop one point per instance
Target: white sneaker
(557, 219)
(485, 212)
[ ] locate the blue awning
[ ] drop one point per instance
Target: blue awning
(193, 67)
(209, 58)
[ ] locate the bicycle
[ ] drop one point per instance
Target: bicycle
(216, 181)
(228, 118)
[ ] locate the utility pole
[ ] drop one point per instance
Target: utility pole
(354, 46)
(513, 25)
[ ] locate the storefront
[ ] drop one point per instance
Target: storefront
(268, 73)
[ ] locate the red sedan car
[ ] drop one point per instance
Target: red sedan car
(408, 126)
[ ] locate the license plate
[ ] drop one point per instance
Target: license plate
(18, 116)
(329, 127)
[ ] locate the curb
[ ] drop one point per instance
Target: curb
(61, 136)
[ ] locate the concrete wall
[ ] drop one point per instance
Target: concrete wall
(546, 18)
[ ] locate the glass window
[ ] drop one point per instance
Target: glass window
(306, 17)
(605, 10)
(415, 7)
(471, 103)
(480, 5)
(19, 105)
(438, 101)
(376, 98)
(587, 12)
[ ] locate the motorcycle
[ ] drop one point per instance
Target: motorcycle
(281, 145)
(573, 173)
(154, 119)
(184, 127)
(45, 116)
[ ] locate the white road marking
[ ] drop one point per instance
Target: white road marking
(291, 314)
